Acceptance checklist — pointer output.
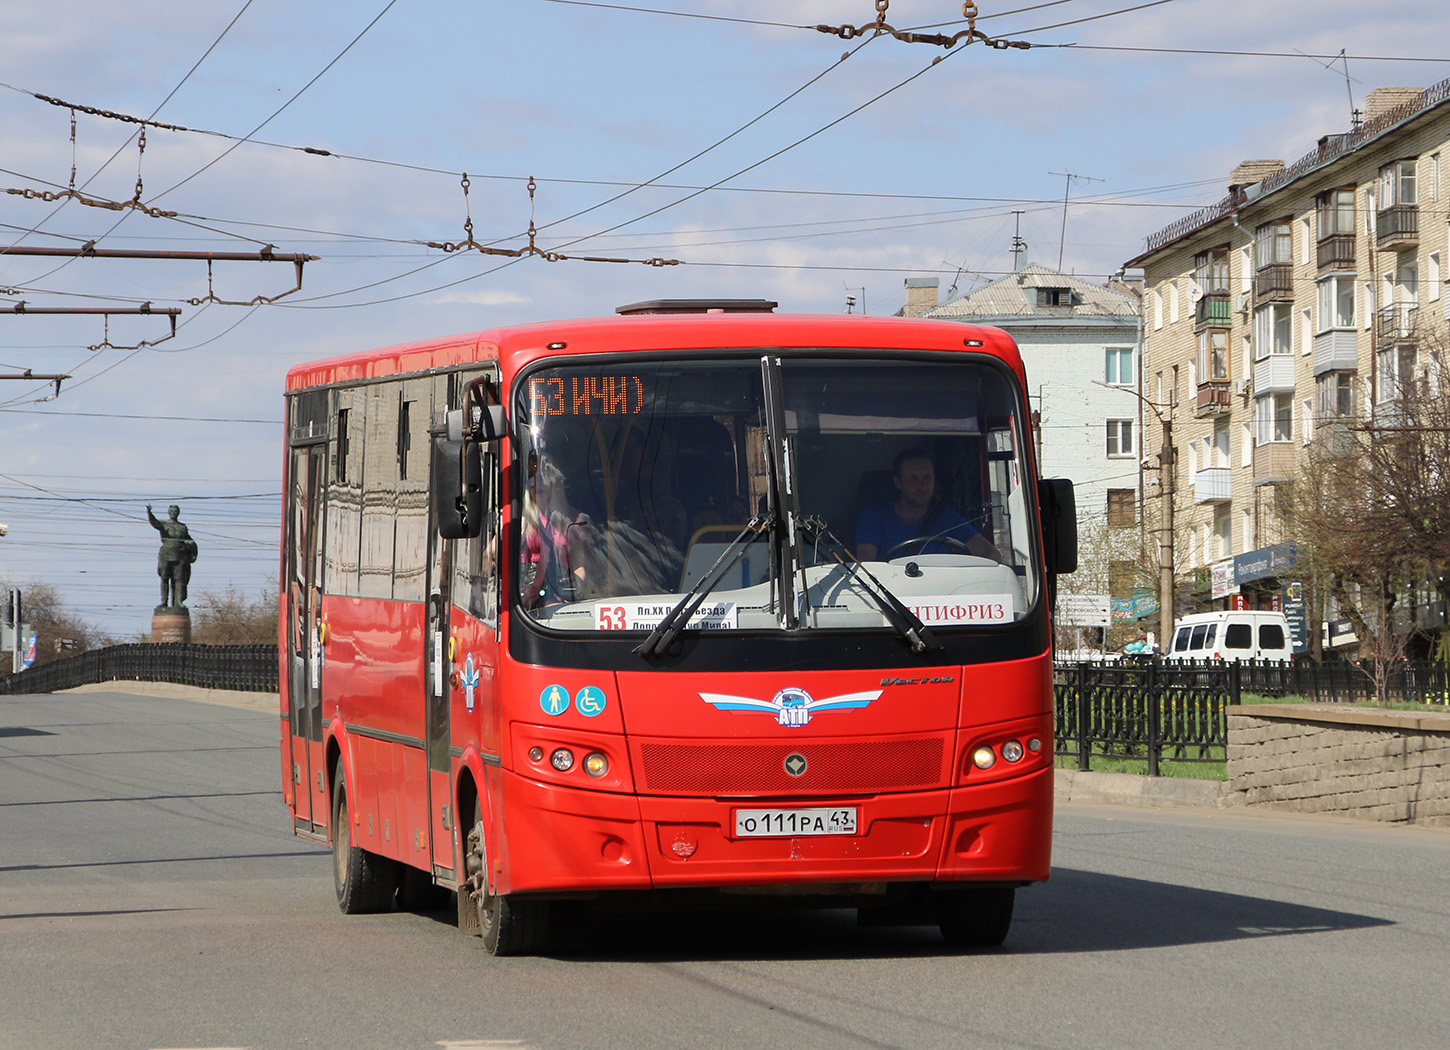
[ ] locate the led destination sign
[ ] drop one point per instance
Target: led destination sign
(586, 395)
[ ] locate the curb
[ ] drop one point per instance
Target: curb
(1128, 789)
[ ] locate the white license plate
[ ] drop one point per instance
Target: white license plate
(766, 823)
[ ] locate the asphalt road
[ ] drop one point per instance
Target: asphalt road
(151, 896)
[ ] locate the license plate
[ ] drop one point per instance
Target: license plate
(765, 823)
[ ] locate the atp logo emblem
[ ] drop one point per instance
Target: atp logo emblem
(792, 707)
(469, 682)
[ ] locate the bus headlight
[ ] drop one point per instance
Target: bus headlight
(984, 758)
(562, 759)
(595, 764)
(1012, 751)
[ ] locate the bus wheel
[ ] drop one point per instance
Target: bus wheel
(363, 880)
(510, 925)
(975, 918)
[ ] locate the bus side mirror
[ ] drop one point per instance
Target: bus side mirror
(1058, 504)
(487, 423)
(457, 489)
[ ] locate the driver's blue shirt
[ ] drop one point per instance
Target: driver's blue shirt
(880, 526)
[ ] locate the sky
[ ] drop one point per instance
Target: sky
(758, 156)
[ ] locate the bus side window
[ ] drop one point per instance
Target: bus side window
(1198, 633)
(1180, 641)
(1271, 636)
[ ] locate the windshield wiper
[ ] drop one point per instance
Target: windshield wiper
(663, 636)
(906, 622)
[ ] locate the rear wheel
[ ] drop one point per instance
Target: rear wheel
(364, 881)
(975, 918)
(510, 925)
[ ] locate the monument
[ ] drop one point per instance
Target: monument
(171, 621)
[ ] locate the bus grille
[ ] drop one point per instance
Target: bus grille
(747, 769)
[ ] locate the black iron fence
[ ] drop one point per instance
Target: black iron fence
(249, 668)
(1155, 710)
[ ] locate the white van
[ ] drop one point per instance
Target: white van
(1235, 634)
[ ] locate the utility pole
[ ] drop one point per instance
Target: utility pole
(1167, 487)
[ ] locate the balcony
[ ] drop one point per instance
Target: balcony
(1212, 485)
(1213, 398)
(1397, 325)
(1212, 311)
(1398, 227)
(1274, 282)
(1336, 252)
(1336, 350)
(1274, 463)
(1274, 374)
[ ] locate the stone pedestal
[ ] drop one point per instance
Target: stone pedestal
(171, 624)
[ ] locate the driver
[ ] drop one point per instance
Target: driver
(882, 527)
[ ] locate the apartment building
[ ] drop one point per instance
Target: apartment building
(1303, 299)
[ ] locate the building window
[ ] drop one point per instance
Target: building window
(1336, 302)
(1434, 176)
(1223, 527)
(1273, 244)
(1210, 271)
(1173, 303)
(1273, 330)
(1121, 577)
(1213, 355)
(1397, 184)
(1120, 366)
(1122, 507)
(1055, 297)
(1432, 275)
(1120, 438)
(1306, 409)
(1335, 395)
(1274, 419)
(1336, 213)
(1157, 309)
(1396, 373)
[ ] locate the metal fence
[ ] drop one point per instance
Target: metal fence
(248, 668)
(1157, 710)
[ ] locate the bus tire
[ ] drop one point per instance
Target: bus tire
(975, 918)
(509, 925)
(364, 881)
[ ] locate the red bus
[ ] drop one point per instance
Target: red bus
(693, 605)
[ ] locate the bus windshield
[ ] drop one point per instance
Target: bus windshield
(794, 486)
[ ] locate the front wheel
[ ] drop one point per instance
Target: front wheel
(364, 881)
(975, 918)
(510, 925)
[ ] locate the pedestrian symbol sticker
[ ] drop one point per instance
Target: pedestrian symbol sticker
(590, 701)
(554, 700)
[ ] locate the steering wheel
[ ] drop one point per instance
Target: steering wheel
(919, 544)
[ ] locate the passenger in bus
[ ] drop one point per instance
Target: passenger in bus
(883, 527)
(555, 539)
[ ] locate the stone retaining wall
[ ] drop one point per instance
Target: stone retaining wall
(1327, 758)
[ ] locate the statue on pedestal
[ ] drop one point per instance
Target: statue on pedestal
(173, 562)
